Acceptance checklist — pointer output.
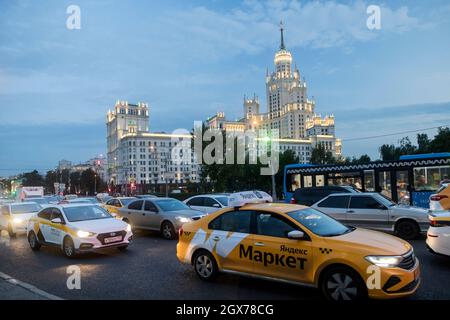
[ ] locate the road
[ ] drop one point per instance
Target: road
(150, 270)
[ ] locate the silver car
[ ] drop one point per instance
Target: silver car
(374, 211)
(166, 215)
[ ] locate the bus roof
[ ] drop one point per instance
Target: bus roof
(425, 156)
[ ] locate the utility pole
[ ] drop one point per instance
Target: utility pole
(274, 189)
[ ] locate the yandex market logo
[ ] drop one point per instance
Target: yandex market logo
(268, 258)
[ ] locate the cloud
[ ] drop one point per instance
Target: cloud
(253, 27)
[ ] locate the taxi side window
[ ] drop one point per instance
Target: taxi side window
(272, 225)
(116, 203)
(110, 202)
(45, 214)
(234, 221)
(56, 214)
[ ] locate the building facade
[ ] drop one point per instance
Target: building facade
(140, 161)
(290, 112)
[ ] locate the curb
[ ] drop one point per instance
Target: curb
(28, 287)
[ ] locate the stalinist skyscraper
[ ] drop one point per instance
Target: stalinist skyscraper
(289, 110)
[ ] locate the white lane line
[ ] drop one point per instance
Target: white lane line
(29, 287)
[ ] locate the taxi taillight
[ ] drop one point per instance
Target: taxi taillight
(438, 197)
(180, 232)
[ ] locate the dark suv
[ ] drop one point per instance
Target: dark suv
(309, 196)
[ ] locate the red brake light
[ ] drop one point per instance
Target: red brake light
(293, 201)
(438, 197)
(180, 232)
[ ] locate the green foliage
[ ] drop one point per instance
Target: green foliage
(440, 143)
(319, 155)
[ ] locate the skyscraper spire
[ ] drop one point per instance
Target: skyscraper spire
(282, 47)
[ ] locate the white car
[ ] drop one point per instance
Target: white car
(77, 228)
(208, 203)
(438, 235)
(14, 216)
(374, 211)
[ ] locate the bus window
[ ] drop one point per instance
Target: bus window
(430, 178)
(402, 187)
(320, 180)
(385, 183)
(352, 179)
(295, 182)
(307, 181)
(369, 180)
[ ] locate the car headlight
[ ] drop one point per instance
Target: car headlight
(129, 228)
(17, 220)
(84, 234)
(385, 261)
(183, 219)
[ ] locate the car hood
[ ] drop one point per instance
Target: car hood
(100, 225)
(185, 213)
(375, 242)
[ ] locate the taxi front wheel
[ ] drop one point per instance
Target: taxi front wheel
(205, 265)
(341, 283)
(68, 247)
(32, 240)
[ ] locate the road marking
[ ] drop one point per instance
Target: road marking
(28, 287)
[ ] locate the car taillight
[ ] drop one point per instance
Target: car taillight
(180, 232)
(293, 201)
(436, 224)
(438, 197)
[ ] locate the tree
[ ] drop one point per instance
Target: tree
(32, 179)
(319, 155)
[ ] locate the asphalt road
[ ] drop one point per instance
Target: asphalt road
(150, 270)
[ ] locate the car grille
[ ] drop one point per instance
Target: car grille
(101, 237)
(408, 262)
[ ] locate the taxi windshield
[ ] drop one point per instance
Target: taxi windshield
(319, 223)
(83, 213)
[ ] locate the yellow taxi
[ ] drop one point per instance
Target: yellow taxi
(300, 245)
(113, 205)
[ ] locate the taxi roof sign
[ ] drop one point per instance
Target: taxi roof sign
(239, 199)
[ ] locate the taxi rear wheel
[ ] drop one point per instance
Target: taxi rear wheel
(205, 265)
(32, 240)
(341, 283)
(68, 247)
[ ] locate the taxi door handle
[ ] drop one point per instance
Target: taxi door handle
(259, 244)
(216, 238)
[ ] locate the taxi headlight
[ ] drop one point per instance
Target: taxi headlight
(84, 234)
(17, 220)
(385, 261)
(129, 228)
(183, 219)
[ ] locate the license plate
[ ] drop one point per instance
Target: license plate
(113, 239)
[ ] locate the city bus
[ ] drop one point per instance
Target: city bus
(410, 180)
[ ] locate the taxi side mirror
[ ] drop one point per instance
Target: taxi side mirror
(296, 234)
(57, 220)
